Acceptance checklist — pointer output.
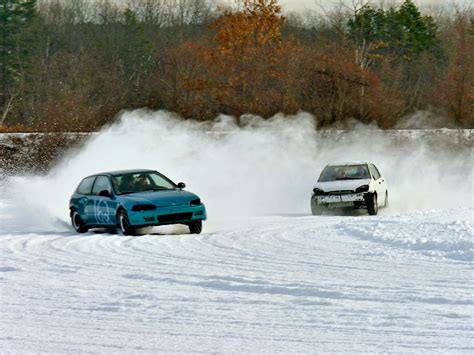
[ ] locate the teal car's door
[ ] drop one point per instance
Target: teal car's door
(81, 199)
(102, 202)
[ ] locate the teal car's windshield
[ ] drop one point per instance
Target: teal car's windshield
(140, 182)
(344, 172)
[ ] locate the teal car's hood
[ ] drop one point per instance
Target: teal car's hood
(159, 198)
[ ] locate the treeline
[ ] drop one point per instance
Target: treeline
(73, 65)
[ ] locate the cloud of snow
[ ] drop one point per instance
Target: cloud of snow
(426, 119)
(259, 167)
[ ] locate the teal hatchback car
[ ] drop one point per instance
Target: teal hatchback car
(132, 199)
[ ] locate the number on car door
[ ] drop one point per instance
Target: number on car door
(103, 203)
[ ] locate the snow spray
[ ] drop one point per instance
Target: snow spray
(256, 167)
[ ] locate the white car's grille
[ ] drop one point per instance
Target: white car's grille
(340, 192)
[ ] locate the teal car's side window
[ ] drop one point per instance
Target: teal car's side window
(85, 187)
(101, 183)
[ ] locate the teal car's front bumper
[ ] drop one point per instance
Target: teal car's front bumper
(167, 215)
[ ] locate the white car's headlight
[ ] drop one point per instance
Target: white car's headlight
(317, 191)
(363, 188)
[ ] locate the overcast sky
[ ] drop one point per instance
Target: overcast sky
(290, 5)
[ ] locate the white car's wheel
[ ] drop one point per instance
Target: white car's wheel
(372, 205)
(315, 209)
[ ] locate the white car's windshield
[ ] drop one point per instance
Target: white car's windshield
(344, 172)
(140, 182)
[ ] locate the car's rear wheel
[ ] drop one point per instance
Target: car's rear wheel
(77, 222)
(372, 205)
(195, 227)
(124, 223)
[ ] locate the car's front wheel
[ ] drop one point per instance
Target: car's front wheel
(124, 223)
(77, 222)
(195, 227)
(372, 205)
(315, 209)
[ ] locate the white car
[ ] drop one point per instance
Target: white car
(352, 184)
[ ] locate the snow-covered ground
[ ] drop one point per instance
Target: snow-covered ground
(264, 277)
(401, 283)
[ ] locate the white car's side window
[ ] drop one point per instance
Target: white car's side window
(375, 173)
(378, 172)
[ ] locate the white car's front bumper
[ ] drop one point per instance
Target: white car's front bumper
(340, 199)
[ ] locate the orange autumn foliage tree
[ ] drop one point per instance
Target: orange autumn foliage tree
(244, 60)
(258, 25)
(247, 67)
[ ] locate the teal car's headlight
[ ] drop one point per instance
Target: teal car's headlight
(195, 202)
(143, 207)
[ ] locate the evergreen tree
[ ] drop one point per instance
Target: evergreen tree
(137, 57)
(401, 34)
(15, 17)
(415, 33)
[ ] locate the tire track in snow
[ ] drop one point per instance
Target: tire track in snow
(433, 238)
(282, 285)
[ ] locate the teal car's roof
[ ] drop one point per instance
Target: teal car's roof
(130, 171)
(121, 172)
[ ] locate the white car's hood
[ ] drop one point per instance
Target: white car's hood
(340, 185)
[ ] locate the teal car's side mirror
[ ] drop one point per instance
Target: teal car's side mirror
(105, 193)
(181, 185)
